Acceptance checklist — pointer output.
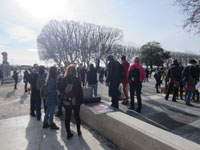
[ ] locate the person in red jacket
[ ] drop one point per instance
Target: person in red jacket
(124, 82)
(136, 76)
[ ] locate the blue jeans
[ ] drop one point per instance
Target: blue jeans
(93, 88)
(49, 114)
(187, 96)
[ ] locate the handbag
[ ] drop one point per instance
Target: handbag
(69, 98)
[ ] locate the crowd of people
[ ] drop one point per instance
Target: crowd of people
(63, 87)
(179, 80)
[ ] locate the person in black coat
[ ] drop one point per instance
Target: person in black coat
(113, 80)
(15, 77)
(92, 79)
(70, 77)
(26, 78)
(33, 80)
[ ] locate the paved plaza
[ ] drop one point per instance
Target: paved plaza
(174, 117)
(19, 131)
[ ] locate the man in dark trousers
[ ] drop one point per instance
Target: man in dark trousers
(174, 78)
(113, 80)
(136, 76)
(81, 74)
(15, 77)
(26, 78)
(33, 80)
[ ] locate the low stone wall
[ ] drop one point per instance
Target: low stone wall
(130, 133)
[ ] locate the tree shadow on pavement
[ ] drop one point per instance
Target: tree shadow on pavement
(170, 119)
(23, 98)
(41, 139)
(9, 94)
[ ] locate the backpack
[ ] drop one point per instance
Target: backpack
(122, 72)
(40, 81)
(44, 92)
(68, 98)
(134, 75)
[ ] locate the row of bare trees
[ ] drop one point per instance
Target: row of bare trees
(72, 42)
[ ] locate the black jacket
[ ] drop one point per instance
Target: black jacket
(77, 89)
(113, 74)
(174, 73)
(92, 76)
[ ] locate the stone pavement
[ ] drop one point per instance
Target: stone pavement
(26, 132)
(19, 131)
(174, 117)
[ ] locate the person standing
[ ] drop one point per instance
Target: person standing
(15, 77)
(124, 82)
(81, 74)
(181, 82)
(147, 74)
(92, 79)
(70, 77)
(39, 84)
(26, 78)
(136, 75)
(189, 80)
(174, 78)
(52, 99)
(113, 80)
(157, 77)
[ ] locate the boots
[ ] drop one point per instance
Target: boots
(54, 127)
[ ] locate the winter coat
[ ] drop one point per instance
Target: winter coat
(126, 65)
(77, 89)
(174, 73)
(113, 72)
(141, 69)
(52, 98)
(92, 76)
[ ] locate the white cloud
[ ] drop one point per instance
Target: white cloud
(33, 50)
(21, 33)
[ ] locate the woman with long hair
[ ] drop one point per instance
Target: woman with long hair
(52, 99)
(70, 77)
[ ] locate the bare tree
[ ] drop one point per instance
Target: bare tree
(191, 8)
(72, 42)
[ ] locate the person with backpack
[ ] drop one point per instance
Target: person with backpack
(174, 78)
(72, 98)
(39, 84)
(124, 82)
(113, 80)
(52, 100)
(136, 75)
(189, 79)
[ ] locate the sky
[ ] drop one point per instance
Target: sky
(142, 21)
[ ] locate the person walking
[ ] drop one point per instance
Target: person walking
(26, 78)
(92, 79)
(76, 93)
(113, 80)
(174, 78)
(147, 74)
(124, 82)
(189, 80)
(52, 100)
(136, 75)
(15, 77)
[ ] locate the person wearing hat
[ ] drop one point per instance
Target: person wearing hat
(189, 79)
(124, 82)
(174, 78)
(113, 80)
(136, 76)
